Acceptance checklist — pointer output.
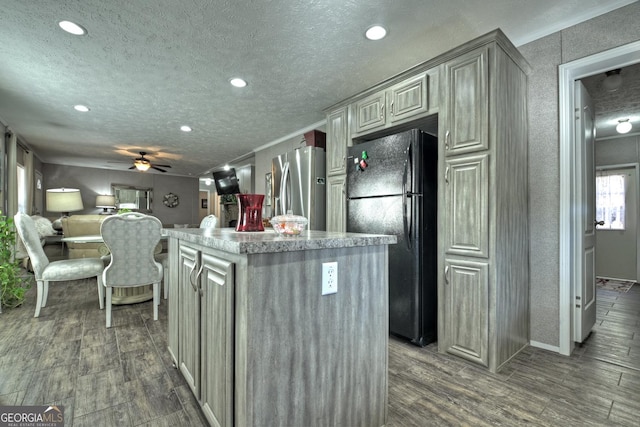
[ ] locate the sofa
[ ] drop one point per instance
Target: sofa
(83, 225)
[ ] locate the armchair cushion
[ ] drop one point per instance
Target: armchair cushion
(72, 269)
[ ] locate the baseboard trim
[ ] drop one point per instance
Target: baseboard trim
(554, 348)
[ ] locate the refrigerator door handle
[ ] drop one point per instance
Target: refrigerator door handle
(406, 221)
(283, 188)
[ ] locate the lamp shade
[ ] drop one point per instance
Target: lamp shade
(106, 201)
(64, 200)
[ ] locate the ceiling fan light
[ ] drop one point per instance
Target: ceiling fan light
(624, 126)
(142, 165)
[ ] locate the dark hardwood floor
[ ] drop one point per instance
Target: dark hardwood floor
(123, 376)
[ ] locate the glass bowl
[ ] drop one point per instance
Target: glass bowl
(289, 225)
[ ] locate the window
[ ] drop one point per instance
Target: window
(22, 189)
(610, 200)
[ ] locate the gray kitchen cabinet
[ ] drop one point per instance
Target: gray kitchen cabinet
(479, 92)
(484, 289)
(337, 141)
(466, 296)
(467, 205)
(257, 341)
(467, 103)
(205, 295)
(401, 102)
(336, 203)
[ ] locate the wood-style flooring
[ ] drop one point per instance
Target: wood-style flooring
(123, 376)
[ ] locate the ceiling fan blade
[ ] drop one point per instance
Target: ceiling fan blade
(132, 167)
(158, 169)
(162, 166)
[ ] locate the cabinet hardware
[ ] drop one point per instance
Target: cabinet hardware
(392, 108)
(446, 275)
(191, 282)
(446, 175)
(382, 112)
(577, 305)
(199, 289)
(447, 138)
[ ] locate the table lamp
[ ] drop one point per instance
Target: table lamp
(106, 202)
(64, 200)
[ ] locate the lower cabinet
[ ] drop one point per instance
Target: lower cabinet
(336, 203)
(466, 323)
(205, 330)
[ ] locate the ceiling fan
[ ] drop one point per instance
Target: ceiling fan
(143, 164)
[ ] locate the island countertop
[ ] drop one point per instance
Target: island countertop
(268, 241)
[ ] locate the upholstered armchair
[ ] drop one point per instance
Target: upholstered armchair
(56, 271)
(132, 239)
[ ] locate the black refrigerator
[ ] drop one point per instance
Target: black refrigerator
(392, 189)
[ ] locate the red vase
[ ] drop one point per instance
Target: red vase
(250, 212)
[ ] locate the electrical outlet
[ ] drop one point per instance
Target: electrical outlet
(329, 278)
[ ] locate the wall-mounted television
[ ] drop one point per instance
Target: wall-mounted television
(226, 182)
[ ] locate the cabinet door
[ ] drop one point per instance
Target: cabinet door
(466, 299)
(337, 140)
(369, 113)
(217, 284)
(173, 327)
(408, 99)
(189, 326)
(467, 206)
(468, 103)
(336, 203)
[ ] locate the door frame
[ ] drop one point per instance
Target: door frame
(569, 260)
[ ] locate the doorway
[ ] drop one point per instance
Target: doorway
(617, 214)
(570, 259)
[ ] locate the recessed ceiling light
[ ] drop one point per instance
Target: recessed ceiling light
(72, 28)
(185, 128)
(376, 32)
(238, 82)
(82, 108)
(227, 167)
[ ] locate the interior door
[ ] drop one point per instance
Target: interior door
(585, 294)
(616, 208)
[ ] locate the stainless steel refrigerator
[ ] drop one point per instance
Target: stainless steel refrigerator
(298, 185)
(392, 189)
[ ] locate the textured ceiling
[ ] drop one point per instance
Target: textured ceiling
(623, 103)
(148, 66)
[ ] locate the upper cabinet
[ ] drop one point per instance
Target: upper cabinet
(337, 141)
(467, 103)
(415, 97)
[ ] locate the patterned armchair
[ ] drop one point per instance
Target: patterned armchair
(132, 239)
(56, 271)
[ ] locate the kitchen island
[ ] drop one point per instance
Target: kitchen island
(258, 342)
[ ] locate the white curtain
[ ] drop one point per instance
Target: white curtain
(30, 187)
(12, 175)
